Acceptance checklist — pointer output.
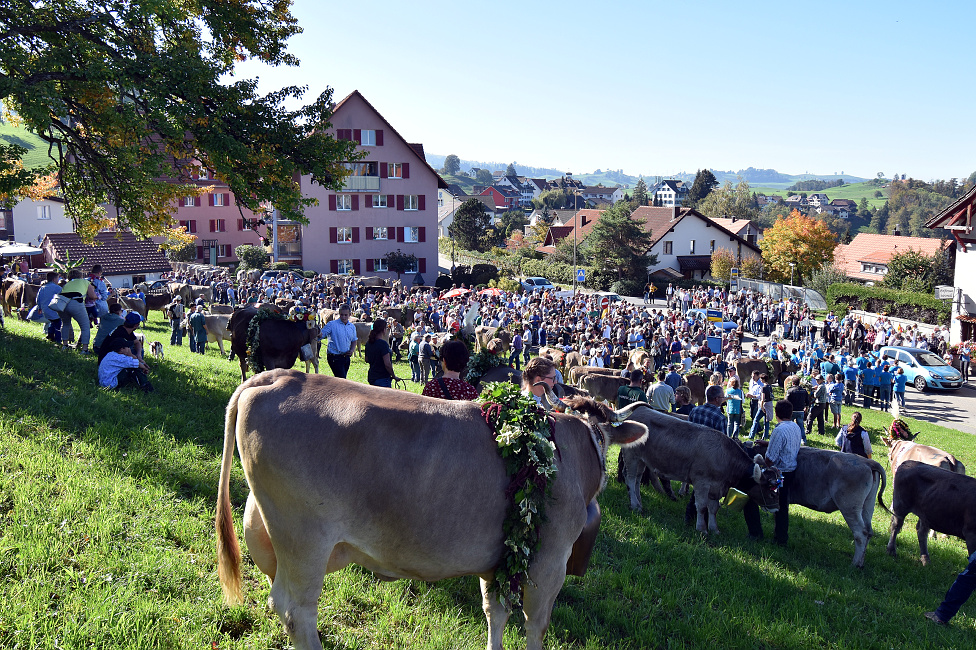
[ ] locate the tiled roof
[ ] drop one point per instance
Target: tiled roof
(660, 220)
(957, 214)
(557, 234)
(879, 249)
(737, 226)
(118, 253)
(584, 220)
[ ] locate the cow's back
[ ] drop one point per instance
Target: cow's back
(944, 501)
(825, 479)
(904, 450)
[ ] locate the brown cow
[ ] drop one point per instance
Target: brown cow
(696, 384)
(577, 373)
(573, 359)
(483, 334)
(901, 450)
(312, 446)
(18, 294)
(218, 330)
(138, 305)
(221, 309)
(603, 387)
(943, 501)
(280, 341)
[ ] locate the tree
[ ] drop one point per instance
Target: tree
(471, 223)
(252, 257)
(752, 267)
(619, 244)
(640, 192)
(484, 177)
(803, 241)
(134, 98)
(510, 170)
(181, 251)
(722, 263)
(511, 222)
(452, 165)
(822, 279)
(730, 202)
(704, 183)
(400, 262)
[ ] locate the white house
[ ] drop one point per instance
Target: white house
(609, 194)
(33, 220)
(817, 199)
(957, 220)
(669, 193)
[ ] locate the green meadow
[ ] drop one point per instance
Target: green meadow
(107, 541)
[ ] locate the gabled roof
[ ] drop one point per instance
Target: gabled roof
(599, 190)
(660, 220)
(879, 249)
(957, 218)
(441, 183)
(584, 220)
(737, 226)
(118, 253)
(456, 190)
(556, 234)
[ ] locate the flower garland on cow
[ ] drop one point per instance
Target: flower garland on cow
(482, 362)
(524, 433)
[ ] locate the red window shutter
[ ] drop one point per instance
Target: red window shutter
(333, 235)
(199, 252)
(193, 226)
(355, 235)
(422, 235)
(210, 200)
(212, 225)
(422, 263)
(390, 200)
(384, 170)
(379, 137)
(226, 199)
(334, 266)
(421, 202)
(399, 234)
(369, 234)
(369, 200)
(369, 265)
(399, 201)
(240, 224)
(355, 267)
(406, 170)
(332, 202)
(357, 135)
(355, 201)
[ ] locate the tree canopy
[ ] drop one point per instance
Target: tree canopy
(400, 262)
(705, 182)
(510, 170)
(619, 243)
(804, 241)
(640, 192)
(471, 225)
(131, 97)
(452, 164)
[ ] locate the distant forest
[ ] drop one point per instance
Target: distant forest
(814, 185)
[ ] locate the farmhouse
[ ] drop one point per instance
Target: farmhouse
(866, 258)
(957, 220)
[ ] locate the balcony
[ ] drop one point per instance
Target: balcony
(290, 250)
(361, 184)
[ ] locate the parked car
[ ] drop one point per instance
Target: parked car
(608, 294)
(699, 316)
(537, 284)
(924, 369)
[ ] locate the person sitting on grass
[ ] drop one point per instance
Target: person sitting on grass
(120, 367)
(108, 324)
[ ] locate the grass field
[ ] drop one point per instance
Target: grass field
(855, 191)
(36, 155)
(107, 541)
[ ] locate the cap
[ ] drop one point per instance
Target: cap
(132, 319)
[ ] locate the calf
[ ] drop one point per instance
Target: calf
(943, 501)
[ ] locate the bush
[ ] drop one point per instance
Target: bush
(628, 287)
(252, 257)
(508, 284)
(279, 266)
(309, 274)
(902, 304)
(443, 282)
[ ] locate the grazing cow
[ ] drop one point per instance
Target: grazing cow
(279, 342)
(603, 387)
(901, 450)
(406, 486)
(17, 295)
(943, 501)
(827, 481)
(692, 453)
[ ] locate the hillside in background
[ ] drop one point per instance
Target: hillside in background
(36, 155)
(855, 191)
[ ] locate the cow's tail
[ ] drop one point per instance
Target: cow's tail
(228, 549)
(876, 467)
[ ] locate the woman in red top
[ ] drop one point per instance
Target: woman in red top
(454, 358)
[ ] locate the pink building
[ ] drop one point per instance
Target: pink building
(389, 202)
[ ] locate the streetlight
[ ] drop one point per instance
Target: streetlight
(792, 266)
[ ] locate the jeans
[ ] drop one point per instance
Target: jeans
(134, 376)
(515, 358)
(385, 382)
(54, 330)
(735, 423)
(415, 370)
(424, 370)
(959, 592)
(798, 417)
(900, 398)
(76, 310)
(884, 396)
(816, 414)
(176, 338)
(339, 364)
(760, 416)
(782, 517)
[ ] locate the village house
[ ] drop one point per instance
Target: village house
(388, 203)
(957, 221)
(669, 193)
(608, 195)
(817, 199)
(866, 258)
(126, 261)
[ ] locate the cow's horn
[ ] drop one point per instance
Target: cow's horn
(554, 402)
(756, 472)
(624, 413)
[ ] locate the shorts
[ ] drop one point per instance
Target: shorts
(835, 408)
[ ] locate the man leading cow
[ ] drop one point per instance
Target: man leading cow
(342, 340)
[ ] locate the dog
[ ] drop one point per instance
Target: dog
(156, 349)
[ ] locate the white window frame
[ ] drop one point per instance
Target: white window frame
(367, 137)
(379, 264)
(669, 248)
(381, 233)
(379, 201)
(415, 268)
(218, 198)
(411, 234)
(411, 202)
(220, 225)
(691, 247)
(189, 201)
(394, 170)
(712, 247)
(344, 202)
(203, 174)
(43, 212)
(344, 235)
(345, 266)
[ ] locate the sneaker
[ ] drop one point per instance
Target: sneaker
(932, 616)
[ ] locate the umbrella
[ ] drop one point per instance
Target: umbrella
(13, 248)
(491, 291)
(454, 293)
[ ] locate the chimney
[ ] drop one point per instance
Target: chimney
(674, 213)
(734, 218)
(897, 233)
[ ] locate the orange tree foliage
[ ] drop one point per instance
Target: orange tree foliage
(802, 240)
(722, 262)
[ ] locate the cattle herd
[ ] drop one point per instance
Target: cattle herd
(413, 487)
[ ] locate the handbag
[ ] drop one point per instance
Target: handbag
(58, 303)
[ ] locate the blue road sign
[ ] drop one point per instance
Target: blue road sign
(581, 275)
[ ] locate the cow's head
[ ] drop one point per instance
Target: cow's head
(603, 423)
(763, 485)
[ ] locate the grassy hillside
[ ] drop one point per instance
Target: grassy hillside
(107, 540)
(855, 191)
(37, 148)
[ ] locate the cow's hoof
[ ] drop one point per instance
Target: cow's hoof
(925, 560)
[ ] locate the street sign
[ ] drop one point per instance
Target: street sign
(944, 292)
(734, 274)
(714, 315)
(604, 302)
(581, 275)
(734, 286)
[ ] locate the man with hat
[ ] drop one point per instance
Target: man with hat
(176, 311)
(125, 331)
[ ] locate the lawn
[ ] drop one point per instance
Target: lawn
(107, 540)
(36, 155)
(855, 191)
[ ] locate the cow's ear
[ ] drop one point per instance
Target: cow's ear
(626, 433)
(886, 440)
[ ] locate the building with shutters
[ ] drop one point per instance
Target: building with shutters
(389, 201)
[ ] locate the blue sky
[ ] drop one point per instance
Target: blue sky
(657, 88)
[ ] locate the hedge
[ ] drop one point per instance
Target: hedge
(891, 302)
